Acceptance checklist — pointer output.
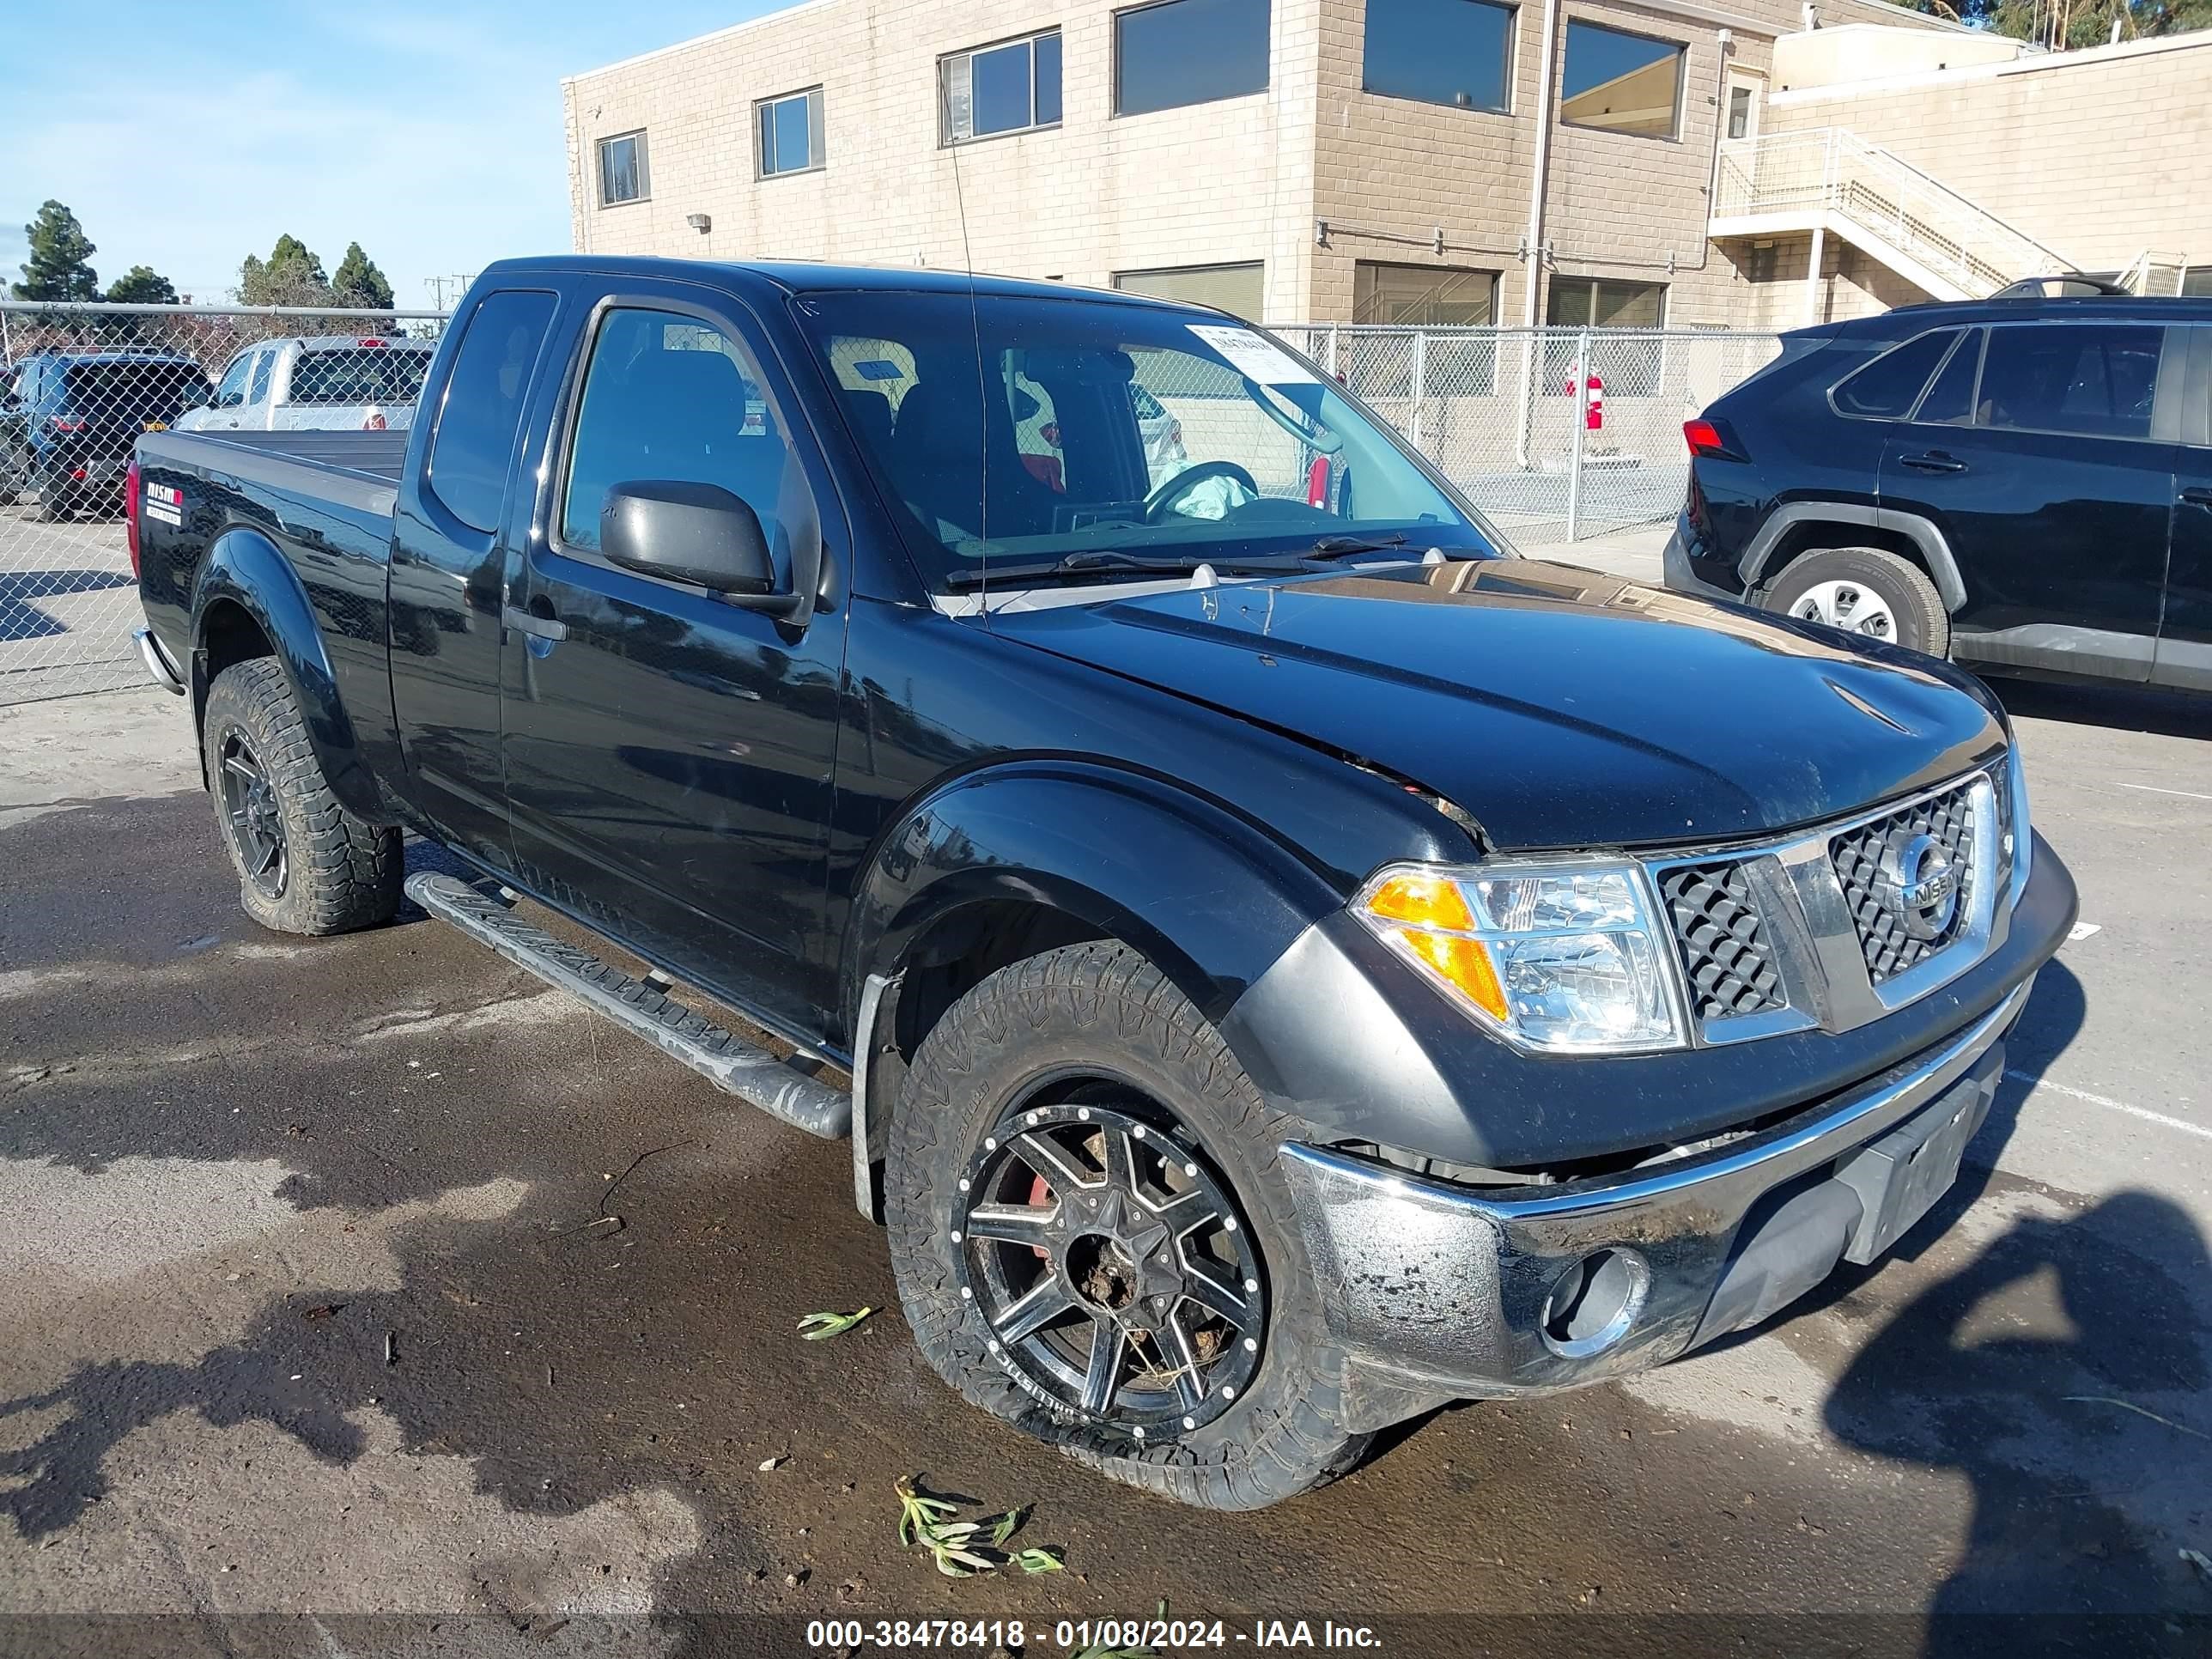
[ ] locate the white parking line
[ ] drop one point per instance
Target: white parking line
(2153, 789)
(2147, 1115)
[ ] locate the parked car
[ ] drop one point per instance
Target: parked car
(1295, 965)
(332, 382)
(68, 420)
(2024, 485)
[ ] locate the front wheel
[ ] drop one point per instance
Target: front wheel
(1867, 592)
(306, 864)
(1093, 1239)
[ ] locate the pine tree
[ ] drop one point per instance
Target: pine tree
(292, 276)
(59, 267)
(359, 282)
(142, 285)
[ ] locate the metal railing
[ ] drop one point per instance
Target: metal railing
(86, 380)
(1506, 413)
(1791, 177)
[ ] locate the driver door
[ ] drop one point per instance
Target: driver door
(670, 756)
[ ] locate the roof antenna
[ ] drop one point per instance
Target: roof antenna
(976, 325)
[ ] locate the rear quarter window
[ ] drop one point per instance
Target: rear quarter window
(482, 410)
(1887, 388)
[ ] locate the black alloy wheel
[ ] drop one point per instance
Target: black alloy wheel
(1115, 1271)
(257, 823)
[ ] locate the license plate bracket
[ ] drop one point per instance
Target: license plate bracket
(1899, 1177)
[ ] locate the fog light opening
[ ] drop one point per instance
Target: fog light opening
(1595, 1302)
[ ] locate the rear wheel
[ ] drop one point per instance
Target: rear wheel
(1093, 1239)
(1867, 592)
(306, 864)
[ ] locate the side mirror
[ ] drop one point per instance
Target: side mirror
(690, 533)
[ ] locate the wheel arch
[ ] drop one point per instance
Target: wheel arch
(1025, 856)
(248, 602)
(1797, 528)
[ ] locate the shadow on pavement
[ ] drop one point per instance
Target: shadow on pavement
(2125, 709)
(20, 590)
(2065, 1346)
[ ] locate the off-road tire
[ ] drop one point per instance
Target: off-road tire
(1922, 624)
(1102, 1005)
(344, 872)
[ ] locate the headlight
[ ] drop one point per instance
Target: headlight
(1563, 956)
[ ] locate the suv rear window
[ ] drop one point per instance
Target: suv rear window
(360, 374)
(134, 392)
(1889, 386)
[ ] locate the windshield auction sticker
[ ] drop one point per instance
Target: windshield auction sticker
(1252, 356)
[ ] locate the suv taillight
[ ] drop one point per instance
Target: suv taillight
(130, 511)
(1707, 438)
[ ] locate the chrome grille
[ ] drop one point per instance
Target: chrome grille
(1724, 951)
(1857, 854)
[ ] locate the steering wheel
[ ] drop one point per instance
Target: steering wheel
(1190, 478)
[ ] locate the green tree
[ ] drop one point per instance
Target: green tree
(359, 282)
(291, 276)
(142, 285)
(2084, 22)
(60, 266)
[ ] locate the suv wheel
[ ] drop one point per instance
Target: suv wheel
(1867, 591)
(1093, 1240)
(305, 865)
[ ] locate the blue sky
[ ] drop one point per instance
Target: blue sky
(188, 136)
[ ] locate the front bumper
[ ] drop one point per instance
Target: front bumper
(1438, 1291)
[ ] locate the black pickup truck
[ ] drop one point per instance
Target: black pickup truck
(1296, 962)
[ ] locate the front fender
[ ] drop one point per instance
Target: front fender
(245, 567)
(1211, 897)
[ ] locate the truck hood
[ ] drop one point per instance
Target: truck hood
(1560, 707)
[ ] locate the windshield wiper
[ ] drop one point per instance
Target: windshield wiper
(1331, 547)
(1111, 562)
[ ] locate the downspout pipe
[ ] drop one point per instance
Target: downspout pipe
(1533, 244)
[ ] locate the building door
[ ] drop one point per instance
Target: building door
(1742, 92)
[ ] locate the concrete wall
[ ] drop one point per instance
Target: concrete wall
(2097, 154)
(1874, 52)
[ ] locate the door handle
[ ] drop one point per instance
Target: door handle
(537, 628)
(2197, 496)
(1934, 461)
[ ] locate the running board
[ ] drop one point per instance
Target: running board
(729, 1061)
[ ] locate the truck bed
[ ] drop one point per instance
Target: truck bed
(356, 470)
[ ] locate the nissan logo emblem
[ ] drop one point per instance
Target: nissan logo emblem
(1924, 885)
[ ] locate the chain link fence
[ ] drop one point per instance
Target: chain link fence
(79, 383)
(1556, 433)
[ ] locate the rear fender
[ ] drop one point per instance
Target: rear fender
(245, 567)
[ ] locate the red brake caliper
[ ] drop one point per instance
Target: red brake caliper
(1040, 1196)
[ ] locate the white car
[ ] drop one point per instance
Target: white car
(330, 382)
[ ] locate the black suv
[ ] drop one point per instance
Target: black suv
(2024, 485)
(68, 421)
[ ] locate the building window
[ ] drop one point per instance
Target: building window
(1621, 83)
(1188, 51)
(1424, 296)
(1739, 119)
(1440, 51)
(2197, 281)
(1596, 302)
(621, 169)
(1009, 88)
(790, 132)
(1240, 290)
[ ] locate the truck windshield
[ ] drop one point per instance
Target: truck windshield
(1031, 433)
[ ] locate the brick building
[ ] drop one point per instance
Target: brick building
(1639, 161)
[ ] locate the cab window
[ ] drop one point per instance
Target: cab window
(668, 397)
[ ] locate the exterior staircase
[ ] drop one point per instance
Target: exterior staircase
(1830, 179)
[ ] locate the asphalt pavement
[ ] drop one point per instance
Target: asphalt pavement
(364, 1296)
